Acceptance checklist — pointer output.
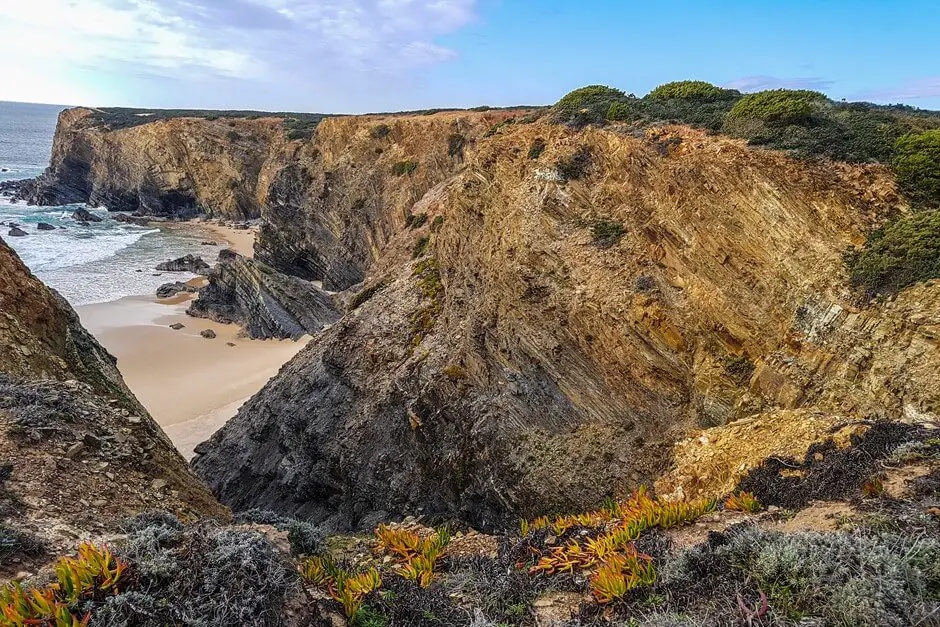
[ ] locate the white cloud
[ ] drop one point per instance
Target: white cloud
(927, 87)
(760, 83)
(117, 47)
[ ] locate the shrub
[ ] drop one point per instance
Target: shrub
(455, 144)
(778, 106)
(606, 233)
(416, 220)
(587, 105)
(917, 167)
(575, 166)
(233, 136)
(404, 167)
(305, 538)
(743, 502)
(362, 297)
(537, 148)
(693, 90)
(898, 255)
(437, 223)
(16, 543)
(498, 127)
(380, 131)
(421, 246)
(739, 368)
(455, 372)
(621, 111)
(644, 283)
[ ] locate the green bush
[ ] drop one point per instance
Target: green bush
(917, 167)
(362, 297)
(779, 106)
(404, 167)
(575, 166)
(898, 255)
(233, 136)
(380, 131)
(437, 223)
(421, 246)
(606, 233)
(588, 105)
(537, 148)
(693, 90)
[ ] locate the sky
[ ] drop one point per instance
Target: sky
(356, 56)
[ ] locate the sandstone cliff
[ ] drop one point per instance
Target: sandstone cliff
(175, 167)
(80, 451)
(575, 312)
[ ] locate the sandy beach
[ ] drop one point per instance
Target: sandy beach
(191, 385)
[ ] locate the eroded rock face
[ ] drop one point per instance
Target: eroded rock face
(84, 453)
(522, 365)
(169, 168)
(267, 303)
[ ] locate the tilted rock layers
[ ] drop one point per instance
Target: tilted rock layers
(172, 168)
(525, 343)
(535, 358)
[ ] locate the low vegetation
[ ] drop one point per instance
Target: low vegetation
(116, 118)
(380, 131)
(575, 166)
(362, 297)
(537, 148)
(588, 105)
(899, 254)
(605, 233)
(779, 107)
(402, 168)
(692, 90)
(300, 129)
(432, 293)
(917, 166)
(455, 144)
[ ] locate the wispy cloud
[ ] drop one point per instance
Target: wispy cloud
(760, 83)
(927, 87)
(308, 44)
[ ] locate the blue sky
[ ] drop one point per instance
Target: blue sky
(375, 55)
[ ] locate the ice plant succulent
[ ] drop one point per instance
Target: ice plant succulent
(93, 574)
(347, 588)
(743, 502)
(418, 555)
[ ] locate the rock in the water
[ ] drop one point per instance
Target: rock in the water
(267, 303)
(176, 326)
(45, 226)
(187, 263)
(172, 289)
(209, 334)
(84, 215)
(17, 232)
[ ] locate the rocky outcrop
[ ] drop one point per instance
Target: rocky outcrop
(168, 290)
(16, 231)
(186, 263)
(175, 167)
(84, 215)
(558, 334)
(84, 453)
(267, 303)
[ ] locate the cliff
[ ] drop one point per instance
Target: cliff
(173, 167)
(80, 453)
(572, 313)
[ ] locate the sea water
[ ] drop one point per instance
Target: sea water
(86, 263)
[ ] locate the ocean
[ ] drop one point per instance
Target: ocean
(86, 263)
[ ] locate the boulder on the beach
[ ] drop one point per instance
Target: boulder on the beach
(208, 243)
(176, 326)
(241, 226)
(172, 289)
(209, 334)
(189, 263)
(17, 232)
(45, 226)
(84, 215)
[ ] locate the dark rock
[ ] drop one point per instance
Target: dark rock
(131, 219)
(17, 232)
(267, 303)
(240, 226)
(208, 243)
(84, 215)
(172, 289)
(209, 334)
(188, 263)
(176, 326)
(45, 226)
